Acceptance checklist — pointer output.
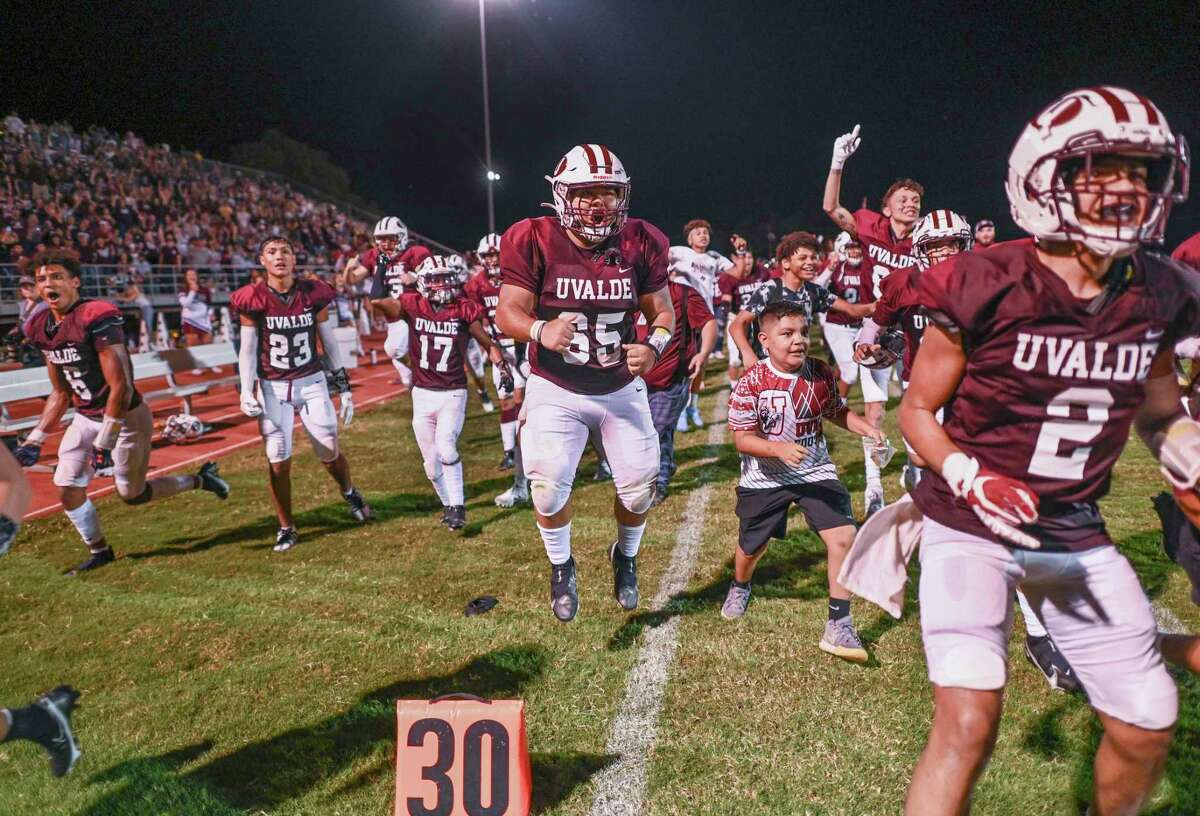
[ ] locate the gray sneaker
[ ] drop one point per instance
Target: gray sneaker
(736, 601)
(842, 641)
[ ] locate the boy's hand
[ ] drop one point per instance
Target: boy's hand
(790, 453)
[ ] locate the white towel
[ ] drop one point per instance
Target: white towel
(876, 568)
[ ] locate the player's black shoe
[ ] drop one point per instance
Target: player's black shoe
(625, 585)
(507, 462)
(96, 559)
(564, 594)
(603, 471)
(1047, 659)
(456, 516)
(285, 539)
(446, 514)
(59, 741)
(210, 480)
(359, 508)
(486, 401)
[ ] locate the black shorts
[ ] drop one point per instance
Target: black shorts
(763, 511)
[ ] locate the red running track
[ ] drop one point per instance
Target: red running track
(231, 430)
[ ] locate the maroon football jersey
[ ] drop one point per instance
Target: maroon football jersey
(884, 253)
(481, 290)
(899, 305)
(691, 314)
(853, 285)
(1189, 251)
(1050, 390)
(287, 326)
(596, 289)
(742, 289)
(386, 274)
(438, 345)
(73, 345)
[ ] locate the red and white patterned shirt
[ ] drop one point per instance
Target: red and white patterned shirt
(788, 408)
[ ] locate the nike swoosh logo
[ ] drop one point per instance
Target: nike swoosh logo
(623, 269)
(1154, 334)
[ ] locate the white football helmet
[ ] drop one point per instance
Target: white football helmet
(841, 243)
(940, 225)
(440, 278)
(181, 428)
(1073, 129)
(388, 227)
(489, 255)
(589, 165)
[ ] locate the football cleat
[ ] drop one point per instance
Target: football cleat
(488, 405)
(60, 743)
(564, 592)
(603, 471)
(210, 480)
(359, 509)
(445, 514)
(681, 425)
(693, 415)
(513, 496)
(873, 499)
(285, 539)
(660, 494)
(841, 640)
(625, 585)
(1047, 659)
(96, 559)
(507, 462)
(736, 601)
(456, 516)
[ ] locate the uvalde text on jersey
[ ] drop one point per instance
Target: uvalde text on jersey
(584, 289)
(1085, 359)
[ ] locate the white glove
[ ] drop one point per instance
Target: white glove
(345, 408)
(844, 147)
(1001, 503)
(250, 406)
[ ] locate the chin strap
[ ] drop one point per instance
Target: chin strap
(1115, 282)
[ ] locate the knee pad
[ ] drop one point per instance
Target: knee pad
(433, 469)
(141, 498)
(636, 499)
(549, 497)
(849, 373)
(968, 665)
(447, 452)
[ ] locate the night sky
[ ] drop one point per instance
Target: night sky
(724, 110)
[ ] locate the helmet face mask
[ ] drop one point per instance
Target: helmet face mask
(390, 234)
(1085, 130)
(590, 191)
(440, 279)
(488, 252)
(848, 249)
(939, 235)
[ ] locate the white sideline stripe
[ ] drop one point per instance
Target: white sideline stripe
(621, 787)
(1168, 622)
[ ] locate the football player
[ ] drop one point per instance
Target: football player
(484, 289)
(699, 267)
(441, 321)
(392, 265)
(736, 287)
(776, 414)
(850, 280)
(281, 373)
(1051, 348)
(886, 236)
(83, 342)
(572, 285)
(668, 384)
(942, 234)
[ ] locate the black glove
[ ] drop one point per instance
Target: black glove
(28, 453)
(339, 381)
(102, 461)
(506, 380)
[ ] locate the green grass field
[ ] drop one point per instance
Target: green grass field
(221, 678)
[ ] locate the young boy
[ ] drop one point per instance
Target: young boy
(775, 414)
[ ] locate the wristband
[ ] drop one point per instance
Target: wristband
(658, 340)
(535, 331)
(36, 437)
(110, 429)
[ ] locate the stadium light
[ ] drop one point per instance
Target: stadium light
(492, 176)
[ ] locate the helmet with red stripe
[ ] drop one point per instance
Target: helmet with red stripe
(843, 243)
(941, 227)
(592, 218)
(440, 278)
(489, 255)
(1068, 136)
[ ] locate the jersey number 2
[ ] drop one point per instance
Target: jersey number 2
(1047, 460)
